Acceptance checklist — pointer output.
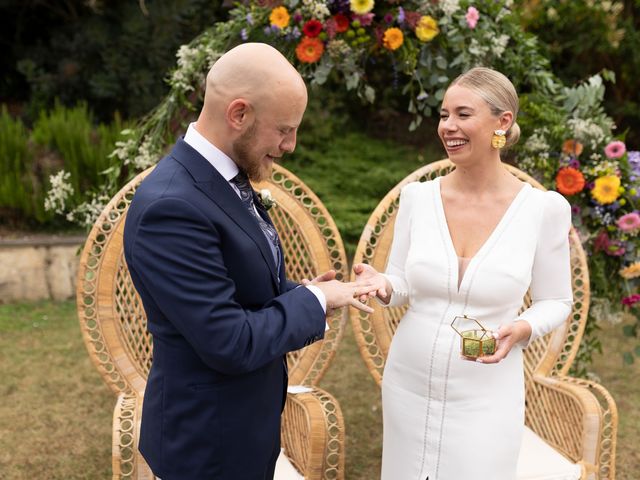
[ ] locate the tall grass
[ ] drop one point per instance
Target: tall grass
(16, 180)
(70, 132)
(62, 138)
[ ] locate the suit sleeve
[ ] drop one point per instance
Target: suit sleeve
(551, 292)
(176, 255)
(395, 272)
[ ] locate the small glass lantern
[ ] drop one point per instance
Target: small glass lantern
(475, 340)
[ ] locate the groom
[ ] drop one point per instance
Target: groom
(209, 267)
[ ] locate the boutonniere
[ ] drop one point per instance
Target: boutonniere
(266, 199)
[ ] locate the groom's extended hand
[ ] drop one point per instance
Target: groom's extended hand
(339, 294)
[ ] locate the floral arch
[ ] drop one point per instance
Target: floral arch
(567, 139)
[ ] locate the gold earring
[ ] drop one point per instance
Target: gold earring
(499, 139)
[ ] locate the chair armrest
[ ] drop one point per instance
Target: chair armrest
(313, 435)
(578, 418)
(126, 460)
(608, 434)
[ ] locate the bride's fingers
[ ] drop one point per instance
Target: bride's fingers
(361, 306)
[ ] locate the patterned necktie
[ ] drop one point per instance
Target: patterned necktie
(246, 195)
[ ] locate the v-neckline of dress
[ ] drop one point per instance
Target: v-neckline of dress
(485, 245)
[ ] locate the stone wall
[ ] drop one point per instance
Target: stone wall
(39, 268)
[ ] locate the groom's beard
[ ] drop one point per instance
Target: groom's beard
(245, 156)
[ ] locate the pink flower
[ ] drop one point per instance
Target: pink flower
(631, 300)
(472, 17)
(615, 248)
(365, 19)
(602, 241)
(629, 222)
(615, 149)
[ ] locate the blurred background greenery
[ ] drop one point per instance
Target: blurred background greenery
(77, 72)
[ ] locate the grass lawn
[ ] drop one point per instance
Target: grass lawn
(55, 414)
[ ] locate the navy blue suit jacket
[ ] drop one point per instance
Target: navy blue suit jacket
(222, 319)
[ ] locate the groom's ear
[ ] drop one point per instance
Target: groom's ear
(238, 114)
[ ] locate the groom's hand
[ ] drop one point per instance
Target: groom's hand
(339, 294)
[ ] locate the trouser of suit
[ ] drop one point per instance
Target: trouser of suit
(270, 471)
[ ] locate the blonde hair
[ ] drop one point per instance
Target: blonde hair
(499, 93)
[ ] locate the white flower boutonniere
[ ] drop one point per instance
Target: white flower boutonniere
(267, 199)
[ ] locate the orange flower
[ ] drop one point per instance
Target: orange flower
(279, 17)
(569, 181)
(572, 147)
(393, 38)
(309, 50)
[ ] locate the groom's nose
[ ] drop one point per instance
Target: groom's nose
(288, 144)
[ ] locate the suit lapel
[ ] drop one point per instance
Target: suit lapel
(213, 185)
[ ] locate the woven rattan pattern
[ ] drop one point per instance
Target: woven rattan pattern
(328, 464)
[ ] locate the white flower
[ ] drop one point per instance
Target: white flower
(499, 44)
(59, 192)
(147, 155)
(267, 199)
(537, 143)
(87, 213)
(449, 7)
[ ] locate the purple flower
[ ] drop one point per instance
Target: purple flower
(400, 15)
(297, 18)
(249, 19)
(634, 162)
(295, 33)
(388, 18)
(244, 35)
(574, 163)
(575, 210)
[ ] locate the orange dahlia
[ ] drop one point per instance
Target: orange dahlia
(569, 181)
(393, 38)
(309, 50)
(572, 147)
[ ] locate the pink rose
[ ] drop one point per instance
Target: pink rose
(615, 149)
(472, 17)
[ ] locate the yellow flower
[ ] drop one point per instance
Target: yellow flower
(361, 6)
(393, 38)
(632, 271)
(606, 189)
(279, 17)
(427, 28)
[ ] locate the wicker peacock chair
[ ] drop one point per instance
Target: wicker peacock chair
(576, 418)
(113, 324)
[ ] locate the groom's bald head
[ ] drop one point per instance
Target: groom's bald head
(253, 104)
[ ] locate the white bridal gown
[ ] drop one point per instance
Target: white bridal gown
(451, 419)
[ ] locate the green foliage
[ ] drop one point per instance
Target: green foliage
(113, 55)
(583, 37)
(85, 149)
(61, 138)
(16, 180)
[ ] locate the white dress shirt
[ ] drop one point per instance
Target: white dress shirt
(228, 169)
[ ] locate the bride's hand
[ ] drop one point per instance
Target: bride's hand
(380, 285)
(507, 336)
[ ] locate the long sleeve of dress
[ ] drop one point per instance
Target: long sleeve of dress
(400, 248)
(551, 290)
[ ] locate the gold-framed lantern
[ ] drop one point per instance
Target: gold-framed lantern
(475, 340)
